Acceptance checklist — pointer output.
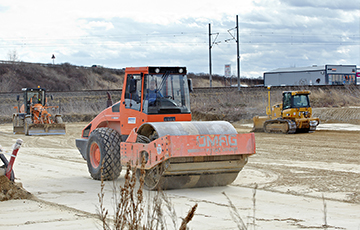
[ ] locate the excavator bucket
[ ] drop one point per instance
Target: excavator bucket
(46, 129)
(189, 154)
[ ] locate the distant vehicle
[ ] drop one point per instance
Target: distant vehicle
(293, 115)
(241, 85)
(96, 66)
(33, 117)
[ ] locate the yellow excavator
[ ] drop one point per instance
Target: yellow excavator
(293, 115)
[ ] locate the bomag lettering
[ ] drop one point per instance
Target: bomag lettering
(216, 140)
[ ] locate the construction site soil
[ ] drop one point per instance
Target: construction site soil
(10, 190)
(308, 165)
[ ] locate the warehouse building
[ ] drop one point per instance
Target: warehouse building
(314, 75)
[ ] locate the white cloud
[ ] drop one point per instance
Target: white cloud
(98, 24)
(273, 33)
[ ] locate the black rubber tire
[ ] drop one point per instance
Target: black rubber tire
(27, 123)
(6, 163)
(15, 121)
(108, 142)
(58, 120)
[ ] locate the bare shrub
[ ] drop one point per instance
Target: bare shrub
(130, 209)
(63, 77)
(232, 105)
(335, 98)
(109, 77)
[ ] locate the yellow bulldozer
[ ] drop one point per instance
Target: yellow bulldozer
(292, 115)
(35, 116)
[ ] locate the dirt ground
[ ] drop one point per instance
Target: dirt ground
(323, 162)
(292, 173)
(10, 190)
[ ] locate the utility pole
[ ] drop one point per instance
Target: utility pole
(237, 39)
(238, 51)
(210, 46)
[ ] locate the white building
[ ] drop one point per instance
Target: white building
(314, 75)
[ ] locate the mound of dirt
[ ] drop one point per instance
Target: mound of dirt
(10, 190)
(343, 115)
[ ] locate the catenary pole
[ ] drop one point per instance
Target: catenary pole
(238, 51)
(210, 45)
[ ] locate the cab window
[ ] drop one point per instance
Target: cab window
(133, 92)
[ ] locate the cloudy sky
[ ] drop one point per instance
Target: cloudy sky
(273, 33)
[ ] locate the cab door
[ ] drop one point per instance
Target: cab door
(131, 103)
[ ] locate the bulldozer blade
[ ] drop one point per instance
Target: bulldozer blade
(18, 129)
(46, 129)
(259, 123)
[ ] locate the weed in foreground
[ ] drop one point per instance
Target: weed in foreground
(235, 214)
(254, 204)
(131, 212)
(325, 226)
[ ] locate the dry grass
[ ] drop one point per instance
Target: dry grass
(325, 226)
(133, 212)
(244, 105)
(235, 214)
(63, 77)
(228, 104)
(336, 98)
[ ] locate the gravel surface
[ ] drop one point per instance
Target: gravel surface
(291, 172)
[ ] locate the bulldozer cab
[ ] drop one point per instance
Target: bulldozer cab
(33, 96)
(296, 99)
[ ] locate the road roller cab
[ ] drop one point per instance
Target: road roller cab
(152, 123)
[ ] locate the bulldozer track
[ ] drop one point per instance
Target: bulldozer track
(280, 126)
